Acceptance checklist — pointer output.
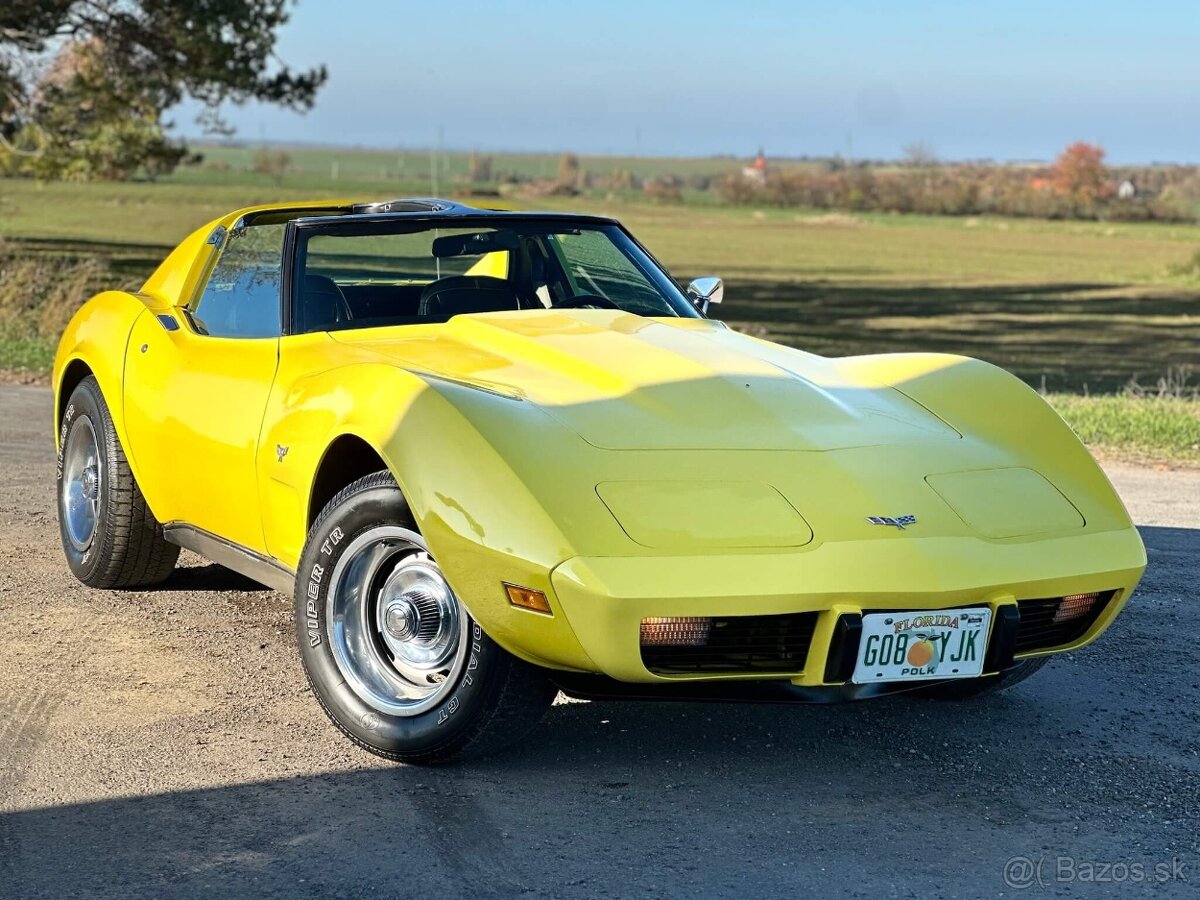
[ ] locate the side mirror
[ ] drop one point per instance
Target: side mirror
(706, 290)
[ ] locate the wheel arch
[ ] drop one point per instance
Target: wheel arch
(347, 458)
(439, 442)
(74, 372)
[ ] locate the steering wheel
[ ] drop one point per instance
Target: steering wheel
(586, 301)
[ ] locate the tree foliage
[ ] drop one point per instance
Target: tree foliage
(569, 171)
(970, 189)
(272, 163)
(84, 86)
(1080, 173)
(919, 155)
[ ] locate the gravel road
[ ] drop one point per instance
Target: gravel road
(164, 744)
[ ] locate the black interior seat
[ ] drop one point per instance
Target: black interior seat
(322, 306)
(458, 294)
(537, 277)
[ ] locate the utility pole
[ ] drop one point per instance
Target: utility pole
(434, 159)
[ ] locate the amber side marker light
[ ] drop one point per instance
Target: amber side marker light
(1074, 606)
(676, 631)
(528, 598)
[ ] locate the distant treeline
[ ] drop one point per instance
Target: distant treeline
(1077, 186)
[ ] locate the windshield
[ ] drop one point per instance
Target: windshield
(363, 276)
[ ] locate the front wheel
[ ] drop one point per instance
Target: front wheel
(109, 535)
(394, 657)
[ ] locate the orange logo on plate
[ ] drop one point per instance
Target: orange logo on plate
(920, 653)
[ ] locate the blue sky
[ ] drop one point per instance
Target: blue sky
(971, 79)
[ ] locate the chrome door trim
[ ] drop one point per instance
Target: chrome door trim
(233, 556)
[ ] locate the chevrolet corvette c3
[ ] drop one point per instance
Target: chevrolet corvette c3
(495, 455)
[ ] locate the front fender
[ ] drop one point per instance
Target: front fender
(481, 519)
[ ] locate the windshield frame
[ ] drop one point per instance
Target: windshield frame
(301, 229)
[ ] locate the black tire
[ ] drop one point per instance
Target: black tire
(969, 688)
(487, 703)
(126, 548)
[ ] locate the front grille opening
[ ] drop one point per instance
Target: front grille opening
(1055, 621)
(737, 644)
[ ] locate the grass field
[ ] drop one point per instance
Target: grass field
(1143, 428)
(409, 172)
(1071, 307)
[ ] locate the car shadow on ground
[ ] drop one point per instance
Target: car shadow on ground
(690, 799)
(209, 577)
(622, 799)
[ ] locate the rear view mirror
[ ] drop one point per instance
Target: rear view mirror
(476, 244)
(706, 290)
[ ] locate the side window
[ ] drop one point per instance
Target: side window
(241, 298)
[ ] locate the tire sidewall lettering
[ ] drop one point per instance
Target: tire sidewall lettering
(457, 710)
(331, 541)
(313, 594)
(468, 678)
(63, 431)
(316, 577)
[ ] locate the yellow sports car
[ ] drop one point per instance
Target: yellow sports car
(497, 455)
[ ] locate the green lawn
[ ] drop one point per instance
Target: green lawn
(1071, 307)
(411, 172)
(1161, 428)
(33, 355)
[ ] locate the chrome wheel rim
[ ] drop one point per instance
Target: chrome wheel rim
(81, 484)
(395, 627)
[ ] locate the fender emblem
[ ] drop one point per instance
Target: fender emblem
(898, 521)
(280, 451)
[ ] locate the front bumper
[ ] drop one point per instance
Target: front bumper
(605, 599)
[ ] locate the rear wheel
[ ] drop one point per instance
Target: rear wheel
(109, 536)
(967, 688)
(396, 660)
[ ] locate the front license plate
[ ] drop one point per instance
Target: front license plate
(920, 645)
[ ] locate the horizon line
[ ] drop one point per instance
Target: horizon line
(218, 141)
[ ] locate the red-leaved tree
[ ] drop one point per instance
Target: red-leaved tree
(1080, 173)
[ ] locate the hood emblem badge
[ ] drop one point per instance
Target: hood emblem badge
(898, 521)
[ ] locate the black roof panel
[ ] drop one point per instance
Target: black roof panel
(436, 209)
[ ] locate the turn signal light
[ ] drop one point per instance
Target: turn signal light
(528, 598)
(676, 631)
(1074, 606)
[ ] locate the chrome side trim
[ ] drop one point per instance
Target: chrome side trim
(233, 556)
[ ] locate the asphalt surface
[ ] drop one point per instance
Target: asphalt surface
(164, 744)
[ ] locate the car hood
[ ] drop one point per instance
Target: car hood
(625, 382)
